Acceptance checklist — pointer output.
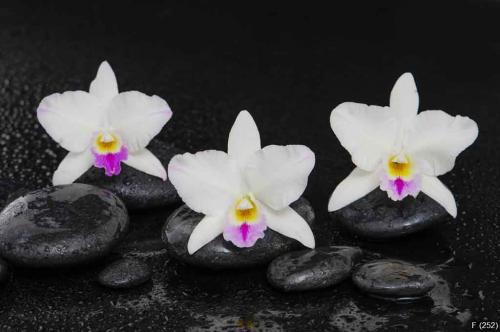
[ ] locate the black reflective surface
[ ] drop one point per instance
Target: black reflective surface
(289, 65)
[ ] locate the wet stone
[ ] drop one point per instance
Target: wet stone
(9, 190)
(61, 226)
(139, 190)
(393, 279)
(125, 273)
(221, 254)
(312, 268)
(376, 216)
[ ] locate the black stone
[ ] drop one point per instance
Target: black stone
(9, 190)
(4, 271)
(137, 189)
(221, 254)
(61, 226)
(377, 216)
(125, 273)
(393, 278)
(312, 269)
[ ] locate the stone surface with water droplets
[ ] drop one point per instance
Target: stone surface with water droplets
(376, 216)
(61, 226)
(139, 190)
(312, 268)
(221, 254)
(125, 273)
(393, 278)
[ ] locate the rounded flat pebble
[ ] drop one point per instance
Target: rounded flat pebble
(137, 189)
(125, 273)
(61, 226)
(312, 268)
(221, 254)
(393, 278)
(377, 216)
(4, 271)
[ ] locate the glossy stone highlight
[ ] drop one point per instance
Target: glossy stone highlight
(379, 217)
(125, 273)
(393, 278)
(312, 269)
(221, 254)
(61, 226)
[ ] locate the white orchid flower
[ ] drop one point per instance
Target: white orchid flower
(104, 128)
(246, 190)
(397, 149)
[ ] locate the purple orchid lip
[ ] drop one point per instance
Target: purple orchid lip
(111, 162)
(398, 188)
(246, 234)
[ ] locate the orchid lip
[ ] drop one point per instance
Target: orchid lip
(109, 152)
(399, 179)
(245, 224)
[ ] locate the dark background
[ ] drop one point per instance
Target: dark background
(289, 65)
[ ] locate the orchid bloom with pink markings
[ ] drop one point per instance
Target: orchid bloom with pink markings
(398, 150)
(104, 128)
(246, 190)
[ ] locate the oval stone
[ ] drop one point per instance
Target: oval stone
(312, 268)
(125, 273)
(393, 278)
(137, 189)
(61, 226)
(377, 216)
(221, 254)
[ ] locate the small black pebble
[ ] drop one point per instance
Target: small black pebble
(125, 273)
(393, 278)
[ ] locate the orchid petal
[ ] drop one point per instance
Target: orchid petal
(104, 86)
(404, 98)
(138, 118)
(290, 224)
(367, 132)
(435, 189)
(353, 187)
(207, 229)
(71, 118)
(437, 138)
(72, 167)
(145, 161)
(277, 175)
(244, 138)
(207, 181)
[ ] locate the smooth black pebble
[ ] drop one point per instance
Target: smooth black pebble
(393, 278)
(139, 190)
(312, 268)
(376, 216)
(125, 273)
(61, 226)
(220, 254)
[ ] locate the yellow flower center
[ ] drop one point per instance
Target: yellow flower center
(400, 167)
(107, 143)
(245, 210)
